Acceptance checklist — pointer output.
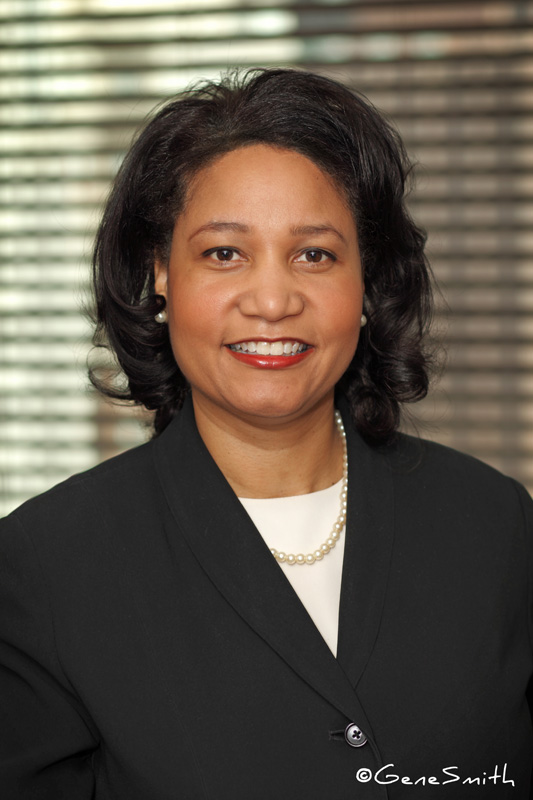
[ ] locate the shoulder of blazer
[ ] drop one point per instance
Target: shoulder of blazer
(411, 454)
(76, 503)
(446, 483)
(122, 494)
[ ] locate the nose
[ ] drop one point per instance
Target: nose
(271, 293)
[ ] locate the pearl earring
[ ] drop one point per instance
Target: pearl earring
(363, 320)
(161, 316)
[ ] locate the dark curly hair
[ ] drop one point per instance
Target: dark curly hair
(342, 133)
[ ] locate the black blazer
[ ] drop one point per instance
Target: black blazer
(152, 649)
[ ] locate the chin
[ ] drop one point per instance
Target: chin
(271, 407)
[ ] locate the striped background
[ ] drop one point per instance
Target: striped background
(77, 78)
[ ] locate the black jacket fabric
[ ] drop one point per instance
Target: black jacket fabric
(152, 649)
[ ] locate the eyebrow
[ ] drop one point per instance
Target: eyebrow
(316, 230)
(239, 227)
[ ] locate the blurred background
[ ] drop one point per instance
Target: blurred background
(79, 76)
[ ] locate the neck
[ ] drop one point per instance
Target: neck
(266, 458)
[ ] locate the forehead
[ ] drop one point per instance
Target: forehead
(259, 179)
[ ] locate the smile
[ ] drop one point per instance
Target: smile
(278, 348)
(270, 355)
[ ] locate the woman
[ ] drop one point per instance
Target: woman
(265, 292)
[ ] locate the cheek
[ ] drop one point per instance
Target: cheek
(343, 326)
(198, 297)
(185, 307)
(343, 311)
(182, 306)
(196, 320)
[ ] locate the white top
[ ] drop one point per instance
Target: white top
(300, 524)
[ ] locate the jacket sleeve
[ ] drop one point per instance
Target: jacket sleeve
(527, 510)
(46, 738)
(526, 503)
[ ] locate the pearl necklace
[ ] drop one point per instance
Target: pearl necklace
(333, 538)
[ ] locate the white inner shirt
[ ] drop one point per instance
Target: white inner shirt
(300, 524)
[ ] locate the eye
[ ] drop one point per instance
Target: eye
(315, 255)
(222, 254)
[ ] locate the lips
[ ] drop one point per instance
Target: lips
(278, 354)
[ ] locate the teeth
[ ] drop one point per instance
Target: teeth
(270, 348)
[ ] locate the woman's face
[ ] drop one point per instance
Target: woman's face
(263, 286)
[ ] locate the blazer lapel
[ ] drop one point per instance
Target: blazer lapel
(237, 560)
(367, 554)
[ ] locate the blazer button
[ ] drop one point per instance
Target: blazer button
(354, 735)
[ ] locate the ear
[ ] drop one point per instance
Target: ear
(160, 277)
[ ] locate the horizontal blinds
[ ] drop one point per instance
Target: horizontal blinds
(78, 76)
